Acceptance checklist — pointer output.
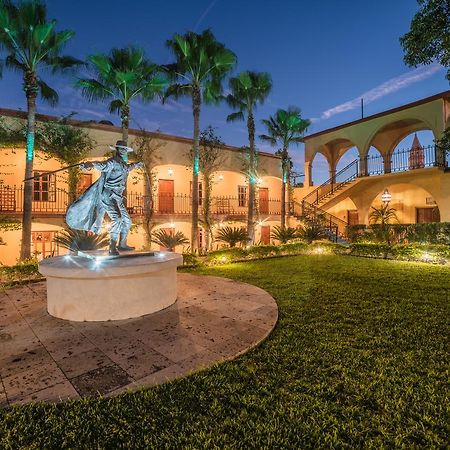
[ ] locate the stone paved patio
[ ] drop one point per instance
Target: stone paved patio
(47, 359)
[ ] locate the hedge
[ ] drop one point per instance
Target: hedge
(423, 233)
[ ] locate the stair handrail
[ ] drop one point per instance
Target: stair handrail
(332, 181)
(331, 222)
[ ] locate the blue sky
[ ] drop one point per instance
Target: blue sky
(323, 57)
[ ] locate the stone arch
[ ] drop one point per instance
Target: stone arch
(319, 179)
(406, 197)
(386, 136)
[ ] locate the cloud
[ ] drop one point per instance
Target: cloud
(204, 14)
(388, 87)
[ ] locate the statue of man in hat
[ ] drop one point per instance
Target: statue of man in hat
(105, 196)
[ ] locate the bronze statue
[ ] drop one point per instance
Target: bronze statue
(105, 196)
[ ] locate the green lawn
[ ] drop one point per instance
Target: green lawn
(359, 359)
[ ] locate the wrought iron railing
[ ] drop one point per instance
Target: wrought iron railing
(334, 184)
(333, 227)
(56, 202)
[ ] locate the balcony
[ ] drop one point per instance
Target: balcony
(55, 202)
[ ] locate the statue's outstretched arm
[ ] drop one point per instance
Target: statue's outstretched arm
(99, 165)
(136, 165)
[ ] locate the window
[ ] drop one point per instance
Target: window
(44, 187)
(43, 243)
(200, 192)
(242, 196)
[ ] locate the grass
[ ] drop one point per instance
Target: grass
(359, 359)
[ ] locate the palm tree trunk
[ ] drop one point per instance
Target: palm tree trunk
(196, 101)
(125, 119)
(148, 209)
(207, 209)
(31, 92)
(283, 189)
(252, 180)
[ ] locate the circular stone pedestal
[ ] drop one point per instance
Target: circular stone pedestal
(99, 288)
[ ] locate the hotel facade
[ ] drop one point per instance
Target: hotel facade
(171, 193)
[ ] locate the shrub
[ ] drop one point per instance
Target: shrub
(79, 240)
(312, 231)
(285, 234)
(169, 240)
(232, 236)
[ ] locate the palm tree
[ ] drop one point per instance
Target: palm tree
(121, 76)
(285, 128)
(32, 44)
(169, 240)
(231, 236)
(247, 90)
(383, 215)
(200, 67)
(284, 234)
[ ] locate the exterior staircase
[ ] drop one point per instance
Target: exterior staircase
(309, 210)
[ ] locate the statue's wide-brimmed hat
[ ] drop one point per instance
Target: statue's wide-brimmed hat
(122, 145)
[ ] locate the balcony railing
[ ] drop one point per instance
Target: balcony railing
(55, 203)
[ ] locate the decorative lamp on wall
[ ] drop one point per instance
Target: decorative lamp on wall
(170, 172)
(386, 196)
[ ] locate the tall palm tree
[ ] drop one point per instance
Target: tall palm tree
(283, 129)
(201, 63)
(121, 76)
(247, 90)
(32, 45)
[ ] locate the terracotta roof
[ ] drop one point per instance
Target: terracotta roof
(132, 131)
(445, 94)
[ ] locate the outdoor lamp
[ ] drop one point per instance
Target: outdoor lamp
(386, 196)
(170, 172)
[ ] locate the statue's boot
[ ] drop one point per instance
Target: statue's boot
(123, 243)
(112, 248)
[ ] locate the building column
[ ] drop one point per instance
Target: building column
(308, 173)
(387, 162)
(363, 166)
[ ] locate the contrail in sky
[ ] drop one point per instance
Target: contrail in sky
(205, 13)
(386, 88)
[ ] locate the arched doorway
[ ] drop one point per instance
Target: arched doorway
(320, 169)
(412, 203)
(414, 151)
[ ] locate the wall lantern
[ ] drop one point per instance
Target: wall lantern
(170, 172)
(259, 181)
(220, 177)
(172, 225)
(386, 196)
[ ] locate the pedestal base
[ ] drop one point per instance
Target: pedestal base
(98, 289)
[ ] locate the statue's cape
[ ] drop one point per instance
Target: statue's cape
(86, 213)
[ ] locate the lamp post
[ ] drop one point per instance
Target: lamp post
(386, 197)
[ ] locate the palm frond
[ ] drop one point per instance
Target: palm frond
(48, 94)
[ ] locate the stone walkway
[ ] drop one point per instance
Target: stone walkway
(47, 359)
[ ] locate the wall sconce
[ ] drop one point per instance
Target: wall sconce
(259, 181)
(171, 225)
(386, 196)
(220, 177)
(170, 172)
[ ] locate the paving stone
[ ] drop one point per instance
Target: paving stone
(43, 358)
(79, 363)
(20, 362)
(101, 381)
(21, 385)
(54, 394)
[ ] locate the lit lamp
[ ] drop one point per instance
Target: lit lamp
(386, 196)
(170, 172)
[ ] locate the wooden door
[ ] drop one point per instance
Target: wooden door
(265, 234)
(43, 243)
(165, 197)
(263, 200)
(352, 217)
(427, 215)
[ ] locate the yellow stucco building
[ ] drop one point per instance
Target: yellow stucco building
(417, 179)
(171, 194)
